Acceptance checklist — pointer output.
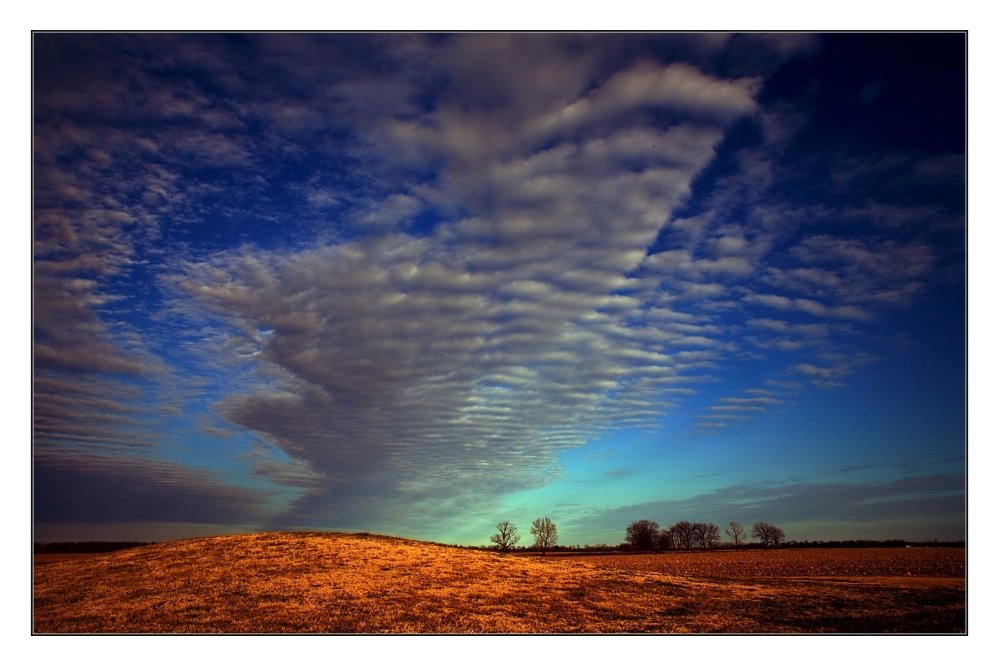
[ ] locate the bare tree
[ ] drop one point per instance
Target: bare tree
(642, 534)
(761, 531)
(709, 535)
(768, 534)
(665, 540)
(683, 534)
(697, 534)
(545, 535)
(736, 532)
(506, 536)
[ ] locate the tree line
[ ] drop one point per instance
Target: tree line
(72, 547)
(647, 535)
(686, 535)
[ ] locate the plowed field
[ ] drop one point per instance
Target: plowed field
(787, 563)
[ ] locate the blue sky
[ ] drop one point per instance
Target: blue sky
(417, 284)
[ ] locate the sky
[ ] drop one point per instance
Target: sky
(416, 284)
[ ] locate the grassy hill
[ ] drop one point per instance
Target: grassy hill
(347, 583)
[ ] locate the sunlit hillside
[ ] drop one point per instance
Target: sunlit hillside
(342, 583)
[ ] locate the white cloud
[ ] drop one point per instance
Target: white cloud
(678, 86)
(392, 212)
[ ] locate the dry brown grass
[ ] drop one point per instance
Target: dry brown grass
(338, 583)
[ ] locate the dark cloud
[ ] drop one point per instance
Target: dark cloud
(93, 488)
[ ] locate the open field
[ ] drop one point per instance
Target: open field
(795, 563)
(341, 583)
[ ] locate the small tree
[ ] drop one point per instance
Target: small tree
(506, 536)
(545, 534)
(642, 534)
(736, 532)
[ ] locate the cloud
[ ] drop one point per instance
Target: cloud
(88, 360)
(678, 86)
(386, 367)
(864, 269)
(808, 305)
(728, 410)
(388, 214)
(835, 369)
(400, 362)
(682, 262)
(894, 506)
(95, 488)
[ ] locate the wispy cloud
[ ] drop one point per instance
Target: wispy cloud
(804, 510)
(752, 403)
(834, 368)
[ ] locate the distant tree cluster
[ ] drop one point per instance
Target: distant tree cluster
(70, 547)
(543, 529)
(643, 535)
(877, 543)
(769, 535)
(685, 535)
